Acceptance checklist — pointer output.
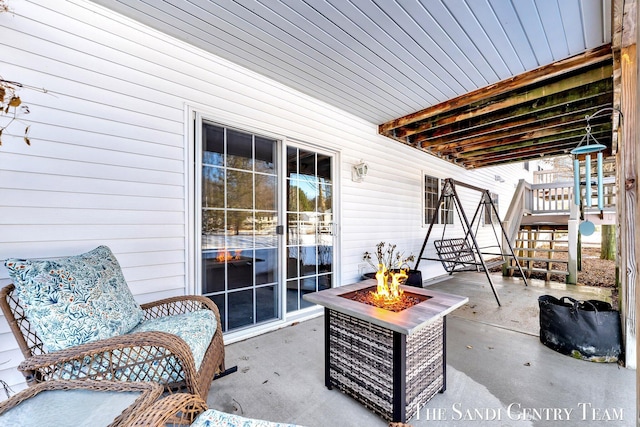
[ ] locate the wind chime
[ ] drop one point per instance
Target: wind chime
(588, 145)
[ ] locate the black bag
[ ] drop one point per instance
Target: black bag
(588, 330)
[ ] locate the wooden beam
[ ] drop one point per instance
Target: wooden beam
(628, 167)
(625, 35)
(551, 143)
(512, 140)
(492, 104)
(593, 97)
(532, 77)
(552, 120)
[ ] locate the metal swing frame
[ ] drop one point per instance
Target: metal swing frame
(464, 254)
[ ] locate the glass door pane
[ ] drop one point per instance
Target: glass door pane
(309, 240)
(239, 218)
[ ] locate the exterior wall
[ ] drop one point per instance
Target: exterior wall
(107, 164)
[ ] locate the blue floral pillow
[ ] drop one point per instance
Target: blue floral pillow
(214, 418)
(75, 300)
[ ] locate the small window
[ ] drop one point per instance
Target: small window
(526, 165)
(432, 191)
(490, 216)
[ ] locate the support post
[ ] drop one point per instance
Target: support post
(573, 235)
(572, 243)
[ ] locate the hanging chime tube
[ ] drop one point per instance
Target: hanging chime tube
(587, 178)
(600, 184)
(576, 181)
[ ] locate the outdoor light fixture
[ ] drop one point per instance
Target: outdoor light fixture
(589, 144)
(359, 171)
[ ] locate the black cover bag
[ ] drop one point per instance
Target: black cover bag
(588, 330)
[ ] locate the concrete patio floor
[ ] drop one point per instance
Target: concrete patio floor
(498, 372)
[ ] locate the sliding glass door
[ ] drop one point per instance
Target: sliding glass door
(266, 239)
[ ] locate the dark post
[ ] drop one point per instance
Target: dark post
(399, 377)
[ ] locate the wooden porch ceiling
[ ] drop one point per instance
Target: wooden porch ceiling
(539, 113)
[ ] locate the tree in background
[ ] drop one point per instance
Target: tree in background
(608, 242)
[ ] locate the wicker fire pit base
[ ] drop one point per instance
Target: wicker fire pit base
(392, 374)
(392, 362)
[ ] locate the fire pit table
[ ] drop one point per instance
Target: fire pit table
(392, 362)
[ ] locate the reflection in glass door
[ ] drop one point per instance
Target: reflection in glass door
(309, 225)
(239, 217)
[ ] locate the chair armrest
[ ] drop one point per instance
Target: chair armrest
(142, 356)
(178, 305)
(178, 409)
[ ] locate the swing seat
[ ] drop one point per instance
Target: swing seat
(456, 255)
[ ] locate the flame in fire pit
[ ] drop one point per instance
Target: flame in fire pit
(385, 291)
(227, 256)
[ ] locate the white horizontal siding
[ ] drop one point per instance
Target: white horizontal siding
(107, 160)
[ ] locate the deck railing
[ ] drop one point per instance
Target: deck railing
(554, 198)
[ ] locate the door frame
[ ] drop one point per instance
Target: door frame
(194, 114)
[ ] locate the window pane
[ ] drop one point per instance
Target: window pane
(307, 162)
(242, 313)
(239, 269)
(324, 282)
(325, 259)
(212, 145)
(266, 263)
(212, 273)
(293, 229)
(265, 192)
(292, 295)
(324, 168)
(292, 161)
(212, 187)
(266, 303)
(325, 198)
(431, 196)
(293, 262)
(307, 286)
(265, 155)
(239, 228)
(293, 187)
(308, 260)
(446, 211)
(239, 150)
(265, 229)
(239, 189)
(213, 230)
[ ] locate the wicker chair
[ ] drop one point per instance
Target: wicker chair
(141, 356)
(97, 397)
(177, 410)
(182, 410)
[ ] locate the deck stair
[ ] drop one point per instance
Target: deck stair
(541, 248)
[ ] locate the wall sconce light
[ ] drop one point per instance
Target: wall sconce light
(498, 178)
(359, 171)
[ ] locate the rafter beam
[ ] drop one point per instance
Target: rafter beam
(538, 75)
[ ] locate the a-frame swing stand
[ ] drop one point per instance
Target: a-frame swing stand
(464, 253)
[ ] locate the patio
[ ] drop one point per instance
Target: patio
(498, 373)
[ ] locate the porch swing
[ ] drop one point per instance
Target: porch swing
(463, 253)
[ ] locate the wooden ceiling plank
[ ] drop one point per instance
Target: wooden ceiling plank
(560, 123)
(535, 143)
(491, 105)
(593, 96)
(540, 74)
(562, 115)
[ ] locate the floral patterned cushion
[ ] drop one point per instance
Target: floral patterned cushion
(76, 299)
(195, 328)
(213, 418)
